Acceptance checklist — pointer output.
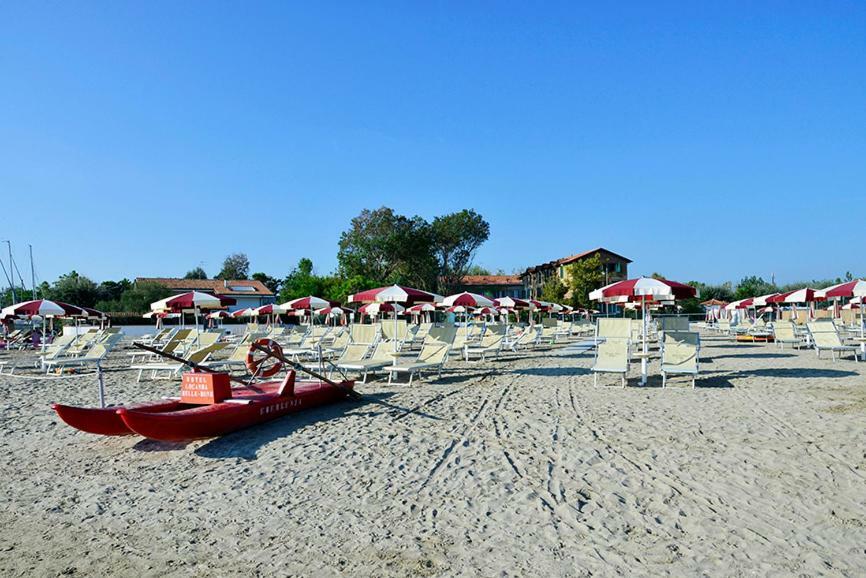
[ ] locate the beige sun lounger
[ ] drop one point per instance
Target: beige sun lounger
(433, 354)
(680, 353)
(492, 342)
(383, 355)
(94, 355)
(612, 356)
(783, 332)
(173, 369)
(825, 337)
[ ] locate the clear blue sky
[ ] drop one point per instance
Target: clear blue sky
(703, 142)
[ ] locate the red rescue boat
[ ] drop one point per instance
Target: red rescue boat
(174, 420)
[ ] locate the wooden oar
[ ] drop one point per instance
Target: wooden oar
(298, 367)
(194, 365)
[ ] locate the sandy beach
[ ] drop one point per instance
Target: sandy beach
(516, 466)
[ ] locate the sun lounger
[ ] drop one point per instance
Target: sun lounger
(94, 355)
(433, 354)
(783, 332)
(679, 354)
(612, 356)
(174, 368)
(383, 355)
(825, 337)
(492, 342)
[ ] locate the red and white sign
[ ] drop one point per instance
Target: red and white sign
(204, 388)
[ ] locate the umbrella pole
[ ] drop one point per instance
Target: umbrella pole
(643, 360)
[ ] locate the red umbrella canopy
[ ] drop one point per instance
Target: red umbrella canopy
(92, 313)
(248, 312)
(805, 295)
(270, 309)
(42, 308)
(643, 288)
(467, 299)
(307, 303)
(221, 314)
(855, 288)
(421, 308)
(192, 300)
(511, 303)
(485, 311)
(394, 294)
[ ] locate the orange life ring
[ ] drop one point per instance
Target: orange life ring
(258, 365)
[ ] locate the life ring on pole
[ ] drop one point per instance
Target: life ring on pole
(261, 365)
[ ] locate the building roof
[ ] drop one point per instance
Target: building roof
(491, 280)
(572, 258)
(215, 286)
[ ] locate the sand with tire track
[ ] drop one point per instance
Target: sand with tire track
(516, 466)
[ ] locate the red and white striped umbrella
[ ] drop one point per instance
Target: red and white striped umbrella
(764, 300)
(421, 308)
(41, 308)
(511, 303)
(485, 311)
(805, 295)
(395, 294)
(373, 309)
(191, 300)
(270, 309)
(332, 311)
(740, 304)
(467, 299)
(308, 303)
(855, 288)
(248, 312)
(221, 314)
(644, 287)
(459, 309)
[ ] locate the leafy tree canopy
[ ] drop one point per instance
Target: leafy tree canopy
(271, 283)
(456, 238)
(585, 276)
(553, 290)
(195, 273)
(236, 266)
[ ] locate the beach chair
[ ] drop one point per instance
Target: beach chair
(237, 359)
(492, 342)
(783, 332)
(92, 356)
(433, 354)
(353, 353)
(173, 369)
(679, 354)
(825, 337)
(382, 356)
(529, 338)
(361, 333)
(612, 356)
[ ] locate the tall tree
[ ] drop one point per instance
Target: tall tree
(75, 289)
(139, 297)
(585, 276)
(553, 290)
(271, 283)
(301, 282)
(386, 247)
(753, 287)
(235, 266)
(456, 238)
(195, 273)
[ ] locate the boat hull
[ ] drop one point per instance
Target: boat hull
(105, 421)
(247, 409)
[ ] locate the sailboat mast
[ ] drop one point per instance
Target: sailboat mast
(32, 273)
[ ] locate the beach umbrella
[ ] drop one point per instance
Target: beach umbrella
(373, 309)
(41, 308)
(332, 312)
(221, 314)
(511, 304)
(395, 294)
(309, 303)
(246, 312)
(805, 295)
(192, 300)
(467, 299)
(645, 289)
(855, 288)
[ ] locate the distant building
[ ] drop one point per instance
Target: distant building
(247, 293)
(533, 279)
(492, 286)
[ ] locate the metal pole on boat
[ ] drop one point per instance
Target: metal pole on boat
(101, 384)
(11, 275)
(32, 273)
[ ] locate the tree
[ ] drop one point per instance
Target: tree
(553, 290)
(75, 289)
(752, 287)
(301, 282)
(196, 273)
(139, 297)
(479, 270)
(271, 283)
(236, 266)
(456, 238)
(385, 247)
(585, 276)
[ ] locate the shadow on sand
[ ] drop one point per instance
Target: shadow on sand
(755, 356)
(794, 372)
(552, 371)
